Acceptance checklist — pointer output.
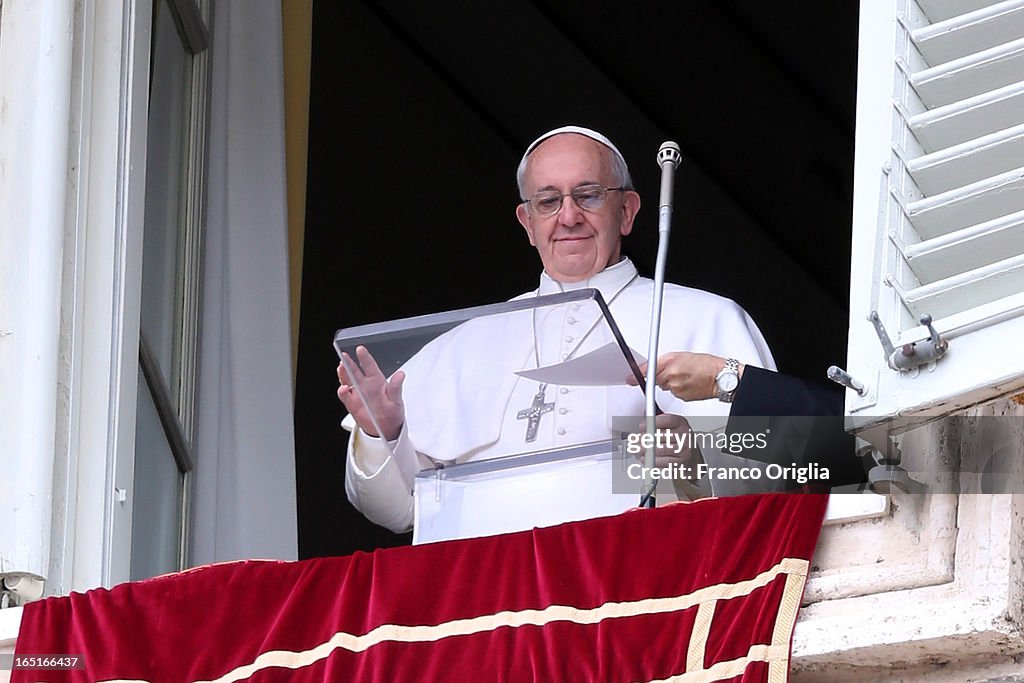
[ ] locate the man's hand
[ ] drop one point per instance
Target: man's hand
(677, 446)
(689, 376)
(383, 396)
(675, 443)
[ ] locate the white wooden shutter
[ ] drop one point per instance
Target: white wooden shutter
(939, 204)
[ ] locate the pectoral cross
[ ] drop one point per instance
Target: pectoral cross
(533, 413)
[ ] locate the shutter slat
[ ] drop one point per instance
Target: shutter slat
(971, 75)
(967, 119)
(975, 203)
(940, 10)
(969, 162)
(952, 295)
(974, 247)
(975, 31)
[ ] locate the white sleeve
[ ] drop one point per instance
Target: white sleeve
(379, 477)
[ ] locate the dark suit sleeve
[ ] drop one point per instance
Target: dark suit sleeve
(804, 423)
(763, 392)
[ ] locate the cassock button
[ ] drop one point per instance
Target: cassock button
(571, 320)
(568, 339)
(564, 356)
(563, 390)
(561, 431)
(563, 411)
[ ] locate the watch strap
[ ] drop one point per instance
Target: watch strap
(732, 367)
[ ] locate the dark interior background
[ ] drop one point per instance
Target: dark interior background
(420, 112)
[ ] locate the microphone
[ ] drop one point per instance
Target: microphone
(668, 158)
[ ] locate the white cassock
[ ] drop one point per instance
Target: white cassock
(462, 396)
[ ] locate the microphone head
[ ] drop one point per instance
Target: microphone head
(669, 153)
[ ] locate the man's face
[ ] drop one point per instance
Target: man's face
(575, 244)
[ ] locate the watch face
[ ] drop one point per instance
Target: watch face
(727, 382)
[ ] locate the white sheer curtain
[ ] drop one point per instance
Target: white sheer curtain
(245, 474)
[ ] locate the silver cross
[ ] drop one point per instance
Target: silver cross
(533, 413)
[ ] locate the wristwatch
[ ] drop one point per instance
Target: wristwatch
(727, 379)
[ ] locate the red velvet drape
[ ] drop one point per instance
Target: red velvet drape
(644, 596)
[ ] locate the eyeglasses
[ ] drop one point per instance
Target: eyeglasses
(588, 197)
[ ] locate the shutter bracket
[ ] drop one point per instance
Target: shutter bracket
(888, 475)
(911, 356)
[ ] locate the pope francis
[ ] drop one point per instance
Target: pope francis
(448, 405)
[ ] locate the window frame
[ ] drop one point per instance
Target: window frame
(101, 293)
(176, 404)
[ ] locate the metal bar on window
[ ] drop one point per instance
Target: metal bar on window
(188, 19)
(176, 438)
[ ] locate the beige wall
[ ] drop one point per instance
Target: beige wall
(297, 20)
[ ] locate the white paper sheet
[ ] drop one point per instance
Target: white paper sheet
(601, 367)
